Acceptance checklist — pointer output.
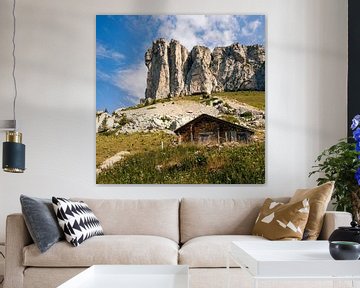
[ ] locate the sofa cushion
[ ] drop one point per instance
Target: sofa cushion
(211, 251)
(158, 217)
(107, 249)
(200, 217)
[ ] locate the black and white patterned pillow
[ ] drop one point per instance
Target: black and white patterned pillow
(77, 220)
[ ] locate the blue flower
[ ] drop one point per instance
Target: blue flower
(355, 122)
(356, 134)
(355, 126)
(357, 176)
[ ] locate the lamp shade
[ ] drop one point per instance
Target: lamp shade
(13, 153)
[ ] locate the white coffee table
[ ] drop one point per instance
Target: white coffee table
(131, 276)
(296, 260)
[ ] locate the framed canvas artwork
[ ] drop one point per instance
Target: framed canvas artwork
(180, 99)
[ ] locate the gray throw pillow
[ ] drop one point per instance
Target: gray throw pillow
(41, 221)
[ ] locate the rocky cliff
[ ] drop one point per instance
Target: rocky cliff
(174, 71)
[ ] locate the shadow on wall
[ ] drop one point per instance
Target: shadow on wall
(153, 7)
(317, 98)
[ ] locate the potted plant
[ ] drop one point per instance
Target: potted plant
(341, 163)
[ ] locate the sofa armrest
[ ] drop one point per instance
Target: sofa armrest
(17, 237)
(333, 220)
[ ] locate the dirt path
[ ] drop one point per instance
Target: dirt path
(109, 162)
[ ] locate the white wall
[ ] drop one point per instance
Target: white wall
(306, 93)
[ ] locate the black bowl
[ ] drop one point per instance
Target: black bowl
(344, 250)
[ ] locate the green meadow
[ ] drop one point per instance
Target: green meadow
(190, 164)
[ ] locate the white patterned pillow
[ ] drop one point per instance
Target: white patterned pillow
(77, 220)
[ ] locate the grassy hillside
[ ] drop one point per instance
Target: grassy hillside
(253, 98)
(109, 145)
(190, 164)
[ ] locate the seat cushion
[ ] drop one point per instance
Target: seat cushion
(107, 249)
(211, 251)
(205, 217)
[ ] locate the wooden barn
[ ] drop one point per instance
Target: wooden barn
(209, 129)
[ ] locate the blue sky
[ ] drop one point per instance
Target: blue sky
(122, 40)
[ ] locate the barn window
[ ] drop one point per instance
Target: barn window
(205, 136)
(243, 136)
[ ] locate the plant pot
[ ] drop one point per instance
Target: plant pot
(350, 234)
(344, 250)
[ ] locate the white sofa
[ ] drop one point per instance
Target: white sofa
(194, 232)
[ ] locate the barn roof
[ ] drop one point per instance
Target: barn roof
(212, 118)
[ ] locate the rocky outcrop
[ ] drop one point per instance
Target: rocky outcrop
(173, 71)
(167, 65)
(199, 78)
(158, 76)
(238, 67)
(104, 121)
(178, 67)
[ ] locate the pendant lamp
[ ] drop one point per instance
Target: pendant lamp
(13, 160)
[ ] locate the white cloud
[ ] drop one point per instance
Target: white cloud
(103, 76)
(133, 81)
(207, 30)
(250, 28)
(104, 52)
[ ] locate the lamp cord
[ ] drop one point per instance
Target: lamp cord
(14, 61)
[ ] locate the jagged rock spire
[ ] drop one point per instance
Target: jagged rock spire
(173, 71)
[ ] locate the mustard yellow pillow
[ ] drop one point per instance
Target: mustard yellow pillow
(319, 198)
(279, 221)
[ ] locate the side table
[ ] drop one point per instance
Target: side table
(131, 276)
(293, 264)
